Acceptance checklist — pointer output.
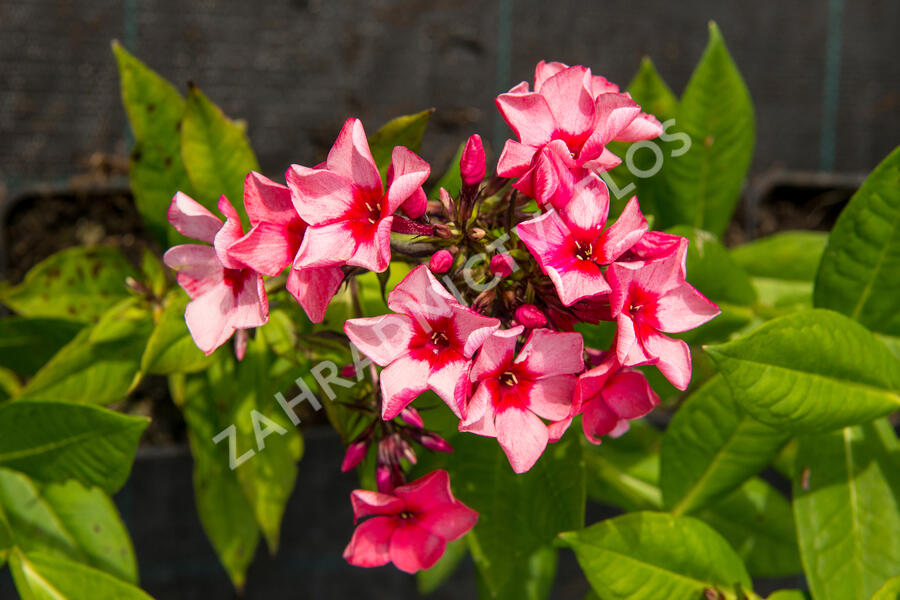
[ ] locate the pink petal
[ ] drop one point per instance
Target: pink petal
(314, 288)
(268, 202)
(614, 112)
(251, 307)
(367, 503)
(471, 328)
(529, 116)
(267, 248)
(679, 310)
(601, 85)
(373, 250)
(401, 382)
(326, 246)
(445, 378)
(230, 232)
(544, 70)
(408, 173)
(569, 97)
(553, 181)
(426, 492)
(350, 157)
(199, 269)
(384, 339)
(622, 234)
(556, 429)
(421, 297)
(598, 420)
(448, 521)
(587, 211)
(320, 196)
(414, 548)
(591, 383)
(629, 351)
(575, 282)
(523, 437)
(629, 395)
(191, 219)
(552, 398)
(654, 245)
(496, 353)
(208, 317)
(674, 357)
(548, 353)
(515, 159)
(644, 127)
(479, 414)
(416, 205)
(370, 544)
(603, 158)
(519, 88)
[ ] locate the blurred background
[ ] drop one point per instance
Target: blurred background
(823, 75)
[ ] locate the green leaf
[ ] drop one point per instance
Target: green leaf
(101, 365)
(226, 516)
(40, 576)
(758, 523)
(154, 110)
(402, 131)
(10, 386)
(653, 94)
(451, 180)
(788, 255)
(655, 555)
(170, 348)
(811, 371)
(858, 275)
(433, 578)
(216, 151)
(624, 471)
(712, 271)
(783, 293)
(846, 505)
(889, 591)
(789, 595)
(716, 112)
(69, 521)
(26, 343)
(57, 441)
(711, 447)
(154, 273)
(76, 283)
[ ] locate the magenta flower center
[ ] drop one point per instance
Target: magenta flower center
(584, 250)
(508, 379)
(374, 211)
(439, 340)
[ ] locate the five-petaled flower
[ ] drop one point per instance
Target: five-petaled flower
(225, 294)
(409, 527)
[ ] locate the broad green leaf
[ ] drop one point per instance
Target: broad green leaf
(67, 520)
(847, 507)
(858, 275)
(76, 283)
(789, 595)
(154, 109)
(170, 348)
(5, 538)
(10, 386)
(26, 343)
(811, 371)
(451, 180)
(705, 182)
(758, 523)
(624, 471)
(402, 131)
(789, 255)
(226, 516)
(101, 364)
(433, 578)
(648, 555)
(40, 576)
(57, 441)
(783, 293)
(653, 94)
(712, 271)
(216, 152)
(889, 591)
(711, 447)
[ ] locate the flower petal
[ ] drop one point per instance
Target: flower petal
(314, 288)
(443, 381)
(373, 248)
(548, 353)
(191, 219)
(629, 395)
(448, 521)
(587, 211)
(674, 357)
(552, 398)
(598, 420)
(420, 296)
(251, 307)
(199, 269)
(268, 202)
(523, 437)
(569, 97)
(326, 246)
(320, 196)
(230, 232)
(367, 503)
(208, 317)
(496, 353)
(426, 492)
(407, 174)
(644, 127)
(416, 205)
(370, 544)
(529, 116)
(384, 339)
(515, 160)
(350, 157)
(267, 248)
(414, 548)
(679, 310)
(621, 235)
(401, 382)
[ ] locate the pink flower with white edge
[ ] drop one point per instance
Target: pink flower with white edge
(272, 244)
(427, 343)
(349, 214)
(573, 248)
(563, 129)
(608, 396)
(515, 392)
(410, 527)
(652, 299)
(225, 294)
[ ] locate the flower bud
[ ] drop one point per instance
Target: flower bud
(442, 231)
(502, 265)
(472, 166)
(440, 262)
(355, 454)
(348, 371)
(410, 416)
(476, 233)
(530, 316)
(447, 203)
(435, 442)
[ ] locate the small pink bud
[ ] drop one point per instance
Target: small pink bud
(441, 261)
(410, 416)
(435, 442)
(530, 316)
(348, 371)
(502, 265)
(383, 479)
(355, 454)
(472, 165)
(447, 202)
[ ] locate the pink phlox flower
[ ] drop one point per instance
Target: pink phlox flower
(427, 343)
(225, 294)
(608, 396)
(272, 244)
(410, 527)
(349, 214)
(572, 246)
(652, 299)
(515, 392)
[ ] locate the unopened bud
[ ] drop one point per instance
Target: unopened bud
(472, 166)
(348, 371)
(442, 231)
(447, 203)
(384, 480)
(410, 416)
(476, 233)
(484, 299)
(435, 443)
(502, 265)
(355, 454)
(440, 262)
(530, 316)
